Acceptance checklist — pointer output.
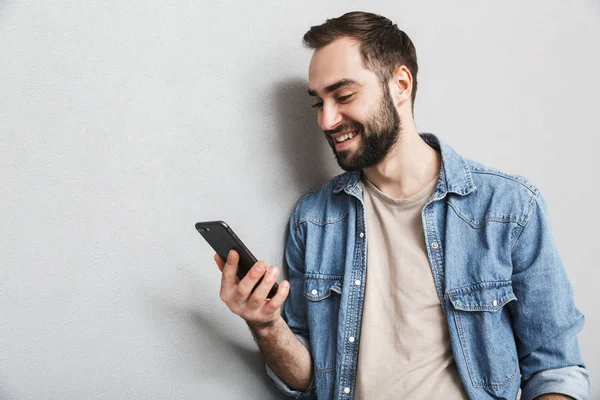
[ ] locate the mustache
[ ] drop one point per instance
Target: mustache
(348, 126)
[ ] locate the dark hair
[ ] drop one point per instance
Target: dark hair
(383, 46)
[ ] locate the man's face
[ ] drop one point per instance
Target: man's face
(356, 114)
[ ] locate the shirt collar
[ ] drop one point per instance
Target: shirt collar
(455, 176)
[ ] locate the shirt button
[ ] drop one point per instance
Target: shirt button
(494, 303)
(357, 282)
(434, 245)
(351, 339)
(314, 291)
(362, 235)
(346, 390)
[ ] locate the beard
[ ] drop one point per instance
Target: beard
(378, 136)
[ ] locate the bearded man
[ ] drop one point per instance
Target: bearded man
(416, 274)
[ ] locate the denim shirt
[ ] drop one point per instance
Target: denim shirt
(500, 281)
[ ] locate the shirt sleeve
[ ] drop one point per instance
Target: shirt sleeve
(294, 308)
(545, 319)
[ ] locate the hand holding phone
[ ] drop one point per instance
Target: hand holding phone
(252, 304)
(222, 239)
(254, 295)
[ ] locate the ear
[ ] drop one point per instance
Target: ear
(401, 86)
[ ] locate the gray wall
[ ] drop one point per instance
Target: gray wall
(124, 123)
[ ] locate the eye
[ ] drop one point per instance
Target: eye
(345, 99)
(318, 105)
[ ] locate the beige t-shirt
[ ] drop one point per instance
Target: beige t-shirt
(405, 350)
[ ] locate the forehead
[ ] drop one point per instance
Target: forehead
(338, 60)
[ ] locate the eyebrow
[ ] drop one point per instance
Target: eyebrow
(335, 86)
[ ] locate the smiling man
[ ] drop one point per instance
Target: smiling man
(416, 274)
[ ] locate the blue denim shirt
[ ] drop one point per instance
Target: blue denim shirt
(501, 284)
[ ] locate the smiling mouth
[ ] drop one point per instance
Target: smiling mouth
(346, 137)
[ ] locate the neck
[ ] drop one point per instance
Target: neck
(410, 165)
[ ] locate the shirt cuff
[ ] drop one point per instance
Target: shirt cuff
(572, 381)
(308, 393)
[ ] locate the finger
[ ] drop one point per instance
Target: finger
(273, 305)
(260, 294)
(228, 280)
(219, 261)
(250, 280)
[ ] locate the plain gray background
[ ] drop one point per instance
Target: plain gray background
(124, 123)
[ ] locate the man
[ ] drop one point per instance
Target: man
(458, 291)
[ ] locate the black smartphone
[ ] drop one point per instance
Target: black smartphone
(222, 239)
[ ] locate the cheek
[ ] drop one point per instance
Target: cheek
(362, 110)
(354, 112)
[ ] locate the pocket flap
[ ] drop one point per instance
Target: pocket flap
(316, 289)
(486, 296)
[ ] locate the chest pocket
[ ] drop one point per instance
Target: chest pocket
(317, 289)
(323, 295)
(485, 332)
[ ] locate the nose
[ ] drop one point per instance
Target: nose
(329, 117)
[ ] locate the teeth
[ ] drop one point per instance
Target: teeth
(346, 137)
